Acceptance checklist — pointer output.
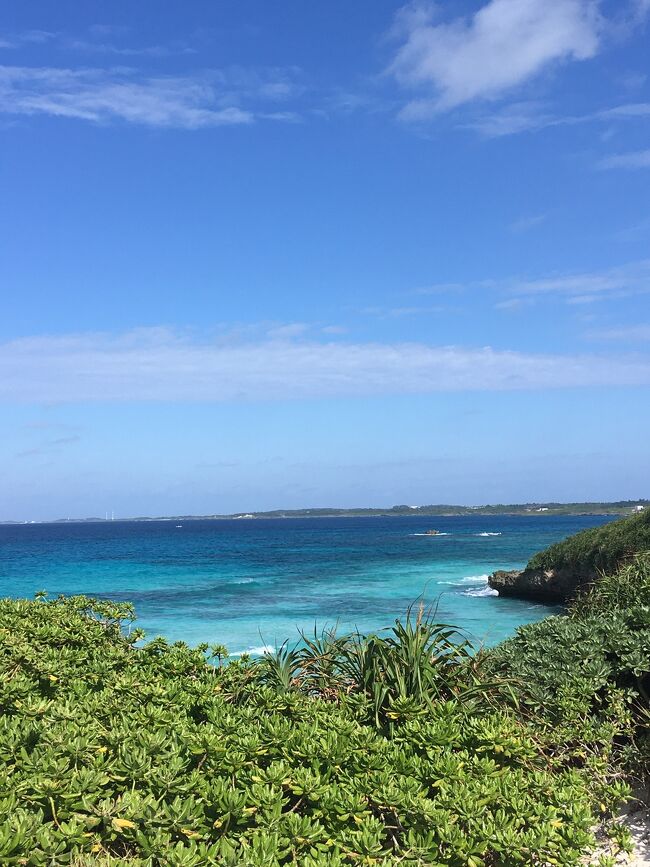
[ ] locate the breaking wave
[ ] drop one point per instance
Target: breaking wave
(262, 650)
(481, 591)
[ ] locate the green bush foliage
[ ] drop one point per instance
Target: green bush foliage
(345, 751)
(574, 672)
(602, 548)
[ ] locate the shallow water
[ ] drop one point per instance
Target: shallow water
(253, 583)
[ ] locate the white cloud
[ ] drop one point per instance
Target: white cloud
(285, 332)
(95, 42)
(640, 9)
(630, 279)
(408, 310)
(627, 110)
(629, 333)
(160, 365)
(531, 117)
(439, 289)
(512, 120)
(111, 48)
(189, 102)
(525, 224)
(26, 37)
(574, 287)
(504, 44)
(630, 160)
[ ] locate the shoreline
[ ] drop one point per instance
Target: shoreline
(267, 516)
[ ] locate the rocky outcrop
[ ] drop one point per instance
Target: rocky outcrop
(553, 586)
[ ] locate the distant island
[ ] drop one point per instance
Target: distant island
(620, 507)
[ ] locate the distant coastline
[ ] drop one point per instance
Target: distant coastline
(620, 507)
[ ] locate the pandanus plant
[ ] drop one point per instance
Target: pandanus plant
(419, 661)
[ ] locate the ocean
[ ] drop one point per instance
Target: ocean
(252, 584)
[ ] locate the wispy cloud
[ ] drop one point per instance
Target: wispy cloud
(113, 49)
(26, 37)
(513, 119)
(160, 365)
(98, 39)
(531, 117)
(633, 80)
(212, 98)
(571, 284)
(630, 160)
(626, 333)
(48, 448)
(626, 110)
(52, 426)
(525, 224)
(408, 310)
(625, 280)
(574, 287)
(640, 9)
(486, 55)
(288, 331)
(439, 289)
(638, 231)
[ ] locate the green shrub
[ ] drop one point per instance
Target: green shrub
(400, 673)
(114, 754)
(602, 548)
(590, 667)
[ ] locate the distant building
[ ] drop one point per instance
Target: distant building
(639, 508)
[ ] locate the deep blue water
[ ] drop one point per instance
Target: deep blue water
(250, 583)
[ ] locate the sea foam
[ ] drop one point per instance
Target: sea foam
(481, 591)
(262, 650)
(430, 535)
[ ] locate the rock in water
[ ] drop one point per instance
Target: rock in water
(554, 586)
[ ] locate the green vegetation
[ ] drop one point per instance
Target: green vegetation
(572, 671)
(346, 750)
(620, 507)
(602, 548)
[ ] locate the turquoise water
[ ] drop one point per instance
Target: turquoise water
(253, 583)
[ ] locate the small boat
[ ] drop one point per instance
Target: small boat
(179, 526)
(432, 533)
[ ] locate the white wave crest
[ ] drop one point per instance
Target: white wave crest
(261, 650)
(474, 579)
(430, 535)
(468, 579)
(481, 591)
(256, 651)
(488, 534)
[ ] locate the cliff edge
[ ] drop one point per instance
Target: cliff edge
(559, 573)
(552, 586)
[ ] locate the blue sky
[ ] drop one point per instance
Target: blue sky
(286, 254)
